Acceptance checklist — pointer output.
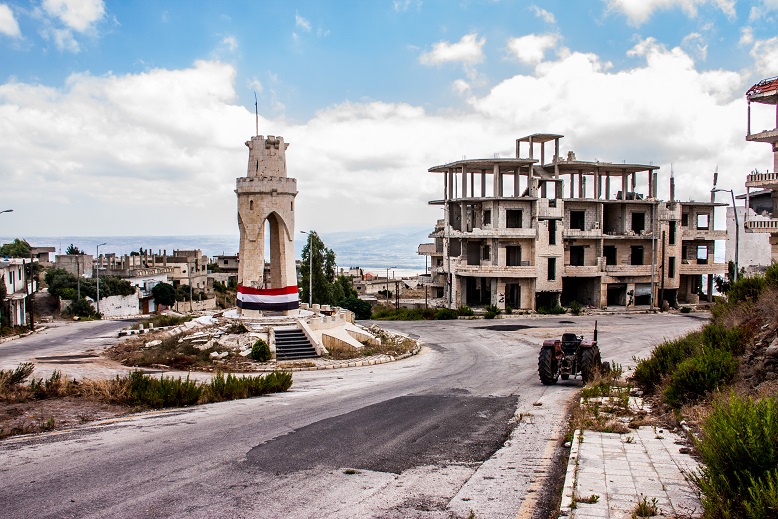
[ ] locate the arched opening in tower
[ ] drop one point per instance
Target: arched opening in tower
(274, 236)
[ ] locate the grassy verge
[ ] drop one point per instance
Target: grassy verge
(163, 320)
(390, 345)
(135, 391)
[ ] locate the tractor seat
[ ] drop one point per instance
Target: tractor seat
(569, 343)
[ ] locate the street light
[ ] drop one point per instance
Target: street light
(737, 229)
(387, 285)
(97, 275)
(310, 268)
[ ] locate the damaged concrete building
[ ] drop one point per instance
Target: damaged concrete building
(527, 233)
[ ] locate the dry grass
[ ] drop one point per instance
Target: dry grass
(390, 345)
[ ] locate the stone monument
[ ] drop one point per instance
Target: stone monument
(266, 196)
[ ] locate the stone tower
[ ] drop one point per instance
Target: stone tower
(266, 195)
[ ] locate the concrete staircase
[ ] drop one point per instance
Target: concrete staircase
(292, 344)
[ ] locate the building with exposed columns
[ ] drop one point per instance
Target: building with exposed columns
(759, 219)
(527, 233)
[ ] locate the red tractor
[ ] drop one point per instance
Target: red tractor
(570, 355)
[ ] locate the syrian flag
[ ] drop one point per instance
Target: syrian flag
(272, 299)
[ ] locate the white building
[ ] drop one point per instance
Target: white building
(12, 273)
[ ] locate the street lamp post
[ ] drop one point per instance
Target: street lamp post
(737, 230)
(310, 268)
(386, 287)
(97, 275)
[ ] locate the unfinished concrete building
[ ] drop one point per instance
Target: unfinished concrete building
(527, 233)
(764, 93)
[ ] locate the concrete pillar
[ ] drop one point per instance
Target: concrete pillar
(607, 187)
(497, 181)
(483, 183)
(464, 183)
(450, 183)
(624, 185)
(710, 288)
(516, 192)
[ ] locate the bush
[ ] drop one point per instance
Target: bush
(686, 310)
(698, 375)
(362, 309)
(664, 359)
(508, 310)
(82, 308)
(223, 388)
(161, 392)
(465, 311)
(739, 451)
(729, 339)
(403, 314)
(746, 289)
(575, 308)
(490, 315)
(445, 314)
(551, 310)
(260, 351)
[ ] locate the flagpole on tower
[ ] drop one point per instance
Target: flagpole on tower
(256, 113)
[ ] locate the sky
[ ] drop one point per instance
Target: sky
(130, 118)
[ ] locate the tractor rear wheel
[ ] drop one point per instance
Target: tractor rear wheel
(548, 366)
(590, 362)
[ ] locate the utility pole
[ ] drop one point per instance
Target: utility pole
(97, 275)
(310, 268)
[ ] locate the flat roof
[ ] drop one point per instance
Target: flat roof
(610, 168)
(476, 165)
(540, 137)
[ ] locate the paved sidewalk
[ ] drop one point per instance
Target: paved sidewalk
(622, 469)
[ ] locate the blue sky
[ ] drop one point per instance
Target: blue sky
(130, 117)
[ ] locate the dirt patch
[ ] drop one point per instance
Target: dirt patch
(36, 416)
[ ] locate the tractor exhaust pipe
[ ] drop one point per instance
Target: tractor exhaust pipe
(595, 331)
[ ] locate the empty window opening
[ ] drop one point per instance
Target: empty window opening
(486, 252)
(251, 205)
(685, 220)
(513, 256)
(671, 267)
(551, 269)
(702, 221)
(671, 233)
(637, 255)
(702, 255)
(577, 256)
(577, 220)
(488, 217)
(513, 218)
(638, 222)
(552, 232)
(609, 251)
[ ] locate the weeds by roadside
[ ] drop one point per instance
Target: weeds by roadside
(390, 344)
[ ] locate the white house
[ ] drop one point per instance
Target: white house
(12, 273)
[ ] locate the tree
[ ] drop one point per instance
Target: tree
(73, 250)
(164, 294)
(361, 309)
(17, 249)
(60, 281)
(323, 270)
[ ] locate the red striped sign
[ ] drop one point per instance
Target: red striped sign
(272, 299)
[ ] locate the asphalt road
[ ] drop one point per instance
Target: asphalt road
(464, 426)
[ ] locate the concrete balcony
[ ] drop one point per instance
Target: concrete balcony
(579, 234)
(476, 233)
(762, 180)
(763, 136)
(582, 271)
(496, 271)
(703, 234)
(692, 268)
(628, 235)
(628, 270)
(770, 226)
(545, 211)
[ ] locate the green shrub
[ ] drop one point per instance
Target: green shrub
(445, 314)
(664, 359)
(404, 314)
(686, 310)
(698, 375)
(551, 310)
(82, 308)
(719, 336)
(9, 378)
(362, 309)
(146, 391)
(575, 308)
(771, 275)
(746, 289)
(739, 451)
(260, 351)
(490, 315)
(493, 309)
(508, 310)
(465, 311)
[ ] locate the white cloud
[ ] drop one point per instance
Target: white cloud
(639, 11)
(531, 49)
(761, 11)
(78, 15)
(468, 50)
(401, 6)
(159, 152)
(693, 44)
(302, 23)
(230, 43)
(746, 36)
(543, 14)
(765, 54)
(8, 23)
(256, 85)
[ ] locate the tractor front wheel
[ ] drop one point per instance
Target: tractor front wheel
(548, 367)
(590, 362)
